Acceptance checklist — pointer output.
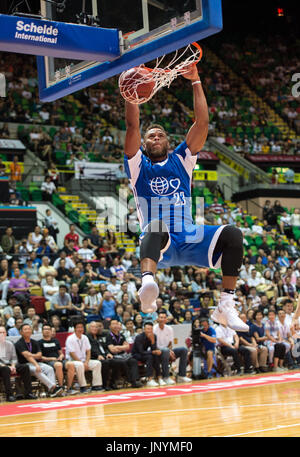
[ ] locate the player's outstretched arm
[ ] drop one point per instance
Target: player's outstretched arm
(133, 134)
(197, 134)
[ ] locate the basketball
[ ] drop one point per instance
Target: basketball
(137, 85)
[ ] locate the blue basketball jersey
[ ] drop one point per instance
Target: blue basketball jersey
(162, 190)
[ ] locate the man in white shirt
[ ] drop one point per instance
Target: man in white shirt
(165, 336)
(288, 307)
(85, 253)
(78, 350)
(48, 187)
(255, 279)
(228, 341)
(245, 272)
(285, 222)
(50, 289)
(114, 287)
(69, 262)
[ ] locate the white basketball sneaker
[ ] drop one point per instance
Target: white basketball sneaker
(226, 314)
(148, 294)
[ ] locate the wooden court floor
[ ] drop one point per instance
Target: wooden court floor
(271, 410)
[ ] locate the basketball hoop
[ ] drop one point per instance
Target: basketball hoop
(139, 84)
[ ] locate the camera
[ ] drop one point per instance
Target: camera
(196, 338)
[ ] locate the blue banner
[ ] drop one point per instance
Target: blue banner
(58, 39)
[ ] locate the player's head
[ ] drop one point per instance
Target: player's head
(156, 143)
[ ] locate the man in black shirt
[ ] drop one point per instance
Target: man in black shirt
(145, 350)
(52, 355)
(118, 347)
(99, 351)
(29, 351)
(95, 240)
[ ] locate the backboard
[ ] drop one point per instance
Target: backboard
(147, 29)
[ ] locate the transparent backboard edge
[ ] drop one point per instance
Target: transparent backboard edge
(210, 24)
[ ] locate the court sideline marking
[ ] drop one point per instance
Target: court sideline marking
(104, 416)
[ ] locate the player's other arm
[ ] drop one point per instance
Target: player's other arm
(197, 134)
(133, 134)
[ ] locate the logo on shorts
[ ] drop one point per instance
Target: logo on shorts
(161, 186)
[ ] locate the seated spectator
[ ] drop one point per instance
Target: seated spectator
(30, 313)
(129, 331)
(145, 350)
(118, 269)
(51, 224)
(63, 256)
(92, 301)
(118, 347)
(15, 330)
(274, 342)
(255, 279)
(286, 337)
(80, 279)
(135, 270)
(114, 287)
(77, 301)
(228, 341)
(100, 352)
(29, 352)
(85, 253)
(56, 324)
(72, 236)
(36, 325)
(103, 270)
(32, 273)
(78, 350)
(63, 274)
(52, 355)
(61, 305)
(124, 290)
(34, 239)
(50, 288)
(46, 269)
(4, 278)
(165, 337)
(49, 240)
(9, 366)
(19, 287)
(48, 189)
(12, 310)
(203, 345)
(177, 311)
(259, 353)
(8, 241)
(107, 306)
(15, 170)
(94, 239)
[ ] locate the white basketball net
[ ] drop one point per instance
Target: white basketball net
(160, 76)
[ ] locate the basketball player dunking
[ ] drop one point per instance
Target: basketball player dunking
(161, 183)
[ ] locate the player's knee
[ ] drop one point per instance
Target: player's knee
(155, 239)
(157, 227)
(233, 235)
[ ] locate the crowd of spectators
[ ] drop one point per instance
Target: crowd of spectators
(94, 282)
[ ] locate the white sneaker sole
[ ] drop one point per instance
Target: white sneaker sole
(219, 317)
(148, 295)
